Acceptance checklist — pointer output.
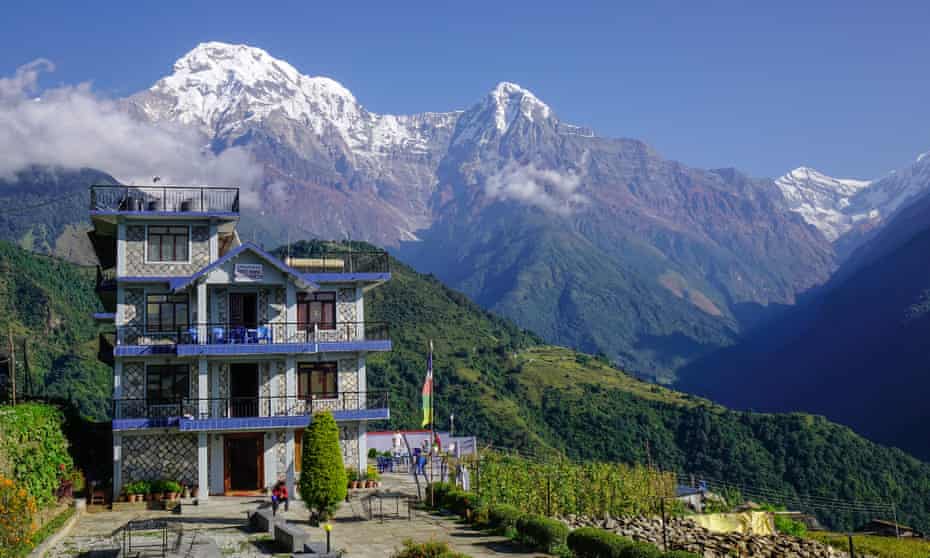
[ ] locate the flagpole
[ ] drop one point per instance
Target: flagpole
(432, 421)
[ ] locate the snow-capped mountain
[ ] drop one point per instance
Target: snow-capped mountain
(823, 201)
(223, 89)
(847, 210)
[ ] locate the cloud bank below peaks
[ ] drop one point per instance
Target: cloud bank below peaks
(72, 127)
(553, 191)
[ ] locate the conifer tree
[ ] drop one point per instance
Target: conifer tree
(323, 480)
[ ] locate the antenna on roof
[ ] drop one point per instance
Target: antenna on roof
(155, 179)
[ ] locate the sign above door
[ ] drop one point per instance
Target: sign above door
(249, 272)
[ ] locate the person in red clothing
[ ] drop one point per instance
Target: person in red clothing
(278, 495)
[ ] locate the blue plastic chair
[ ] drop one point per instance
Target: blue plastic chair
(237, 335)
(192, 335)
(219, 335)
(264, 334)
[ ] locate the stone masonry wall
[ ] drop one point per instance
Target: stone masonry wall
(160, 456)
(136, 265)
(348, 443)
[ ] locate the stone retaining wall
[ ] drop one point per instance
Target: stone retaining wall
(684, 534)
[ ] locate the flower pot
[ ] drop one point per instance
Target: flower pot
(186, 493)
(173, 496)
(195, 492)
(355, 484)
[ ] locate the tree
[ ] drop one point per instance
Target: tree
(323, 479)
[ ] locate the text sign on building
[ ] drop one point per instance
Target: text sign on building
(249, 272)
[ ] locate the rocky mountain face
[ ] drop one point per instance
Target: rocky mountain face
(45, 210)
(595, 242)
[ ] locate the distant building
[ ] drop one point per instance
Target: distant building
(221, 351)
(383, 441)
(882, 528)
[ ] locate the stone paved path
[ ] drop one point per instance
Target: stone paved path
(223, 521)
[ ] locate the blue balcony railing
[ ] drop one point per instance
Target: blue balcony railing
(269, 333)
(248, 407)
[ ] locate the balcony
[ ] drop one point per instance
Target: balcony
(218, 339)
(150, 200)
(247, 412)
(106, 287)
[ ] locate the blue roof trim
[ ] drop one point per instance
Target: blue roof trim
(104, 316)
(204, 214)
(143, 423)
(347, 277)
(144, 350)
(244, 423)
(281, 348)
(142, 279)
(179, 283)
(363, 414)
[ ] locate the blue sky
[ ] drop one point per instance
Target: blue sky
(762, 86)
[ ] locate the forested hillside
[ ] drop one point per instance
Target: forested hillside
(47, 304)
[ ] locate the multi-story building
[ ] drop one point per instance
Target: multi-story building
(221, 351)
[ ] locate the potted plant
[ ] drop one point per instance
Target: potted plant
(375, 477)
(352, 476)
(156, 490)
(171, 489)
(195, 491)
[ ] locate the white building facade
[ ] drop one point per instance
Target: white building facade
(221, 351)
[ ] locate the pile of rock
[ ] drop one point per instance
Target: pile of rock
(684, 534)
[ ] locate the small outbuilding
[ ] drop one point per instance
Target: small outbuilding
(883, 528)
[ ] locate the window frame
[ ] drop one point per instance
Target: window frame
(190, 245)
(330, 367)
(309, 298)
(186, 393)
(149, 331)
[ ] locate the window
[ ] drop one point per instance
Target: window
(318, 380)
(166, 383)
(167, 243)
(316, 309)
(166, 313)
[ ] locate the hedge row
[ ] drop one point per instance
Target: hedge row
(540, 532)
(33, 449)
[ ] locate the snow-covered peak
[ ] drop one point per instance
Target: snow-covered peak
(497, 113)
(510, 100)
(821, 200)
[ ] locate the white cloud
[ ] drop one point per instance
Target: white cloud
(73, 127)
(551, 190)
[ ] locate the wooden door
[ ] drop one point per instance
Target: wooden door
(243, 310)
(243, 462)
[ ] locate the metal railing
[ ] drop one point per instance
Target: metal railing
(342, 262)
(164, 198)
(268, 333)
(245, 407)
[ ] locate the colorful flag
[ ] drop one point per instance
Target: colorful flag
(428, 389)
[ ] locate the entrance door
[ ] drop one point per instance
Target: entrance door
(243, 389)
(244, 468)
(243, 310)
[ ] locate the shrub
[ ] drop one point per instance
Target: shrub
(432, 549)
(171, 486)
(788, 526)
(541, 533)
(17, 517)
(33, 449)
(641, 550)
(461, 503)
(680, 554)
(591, 542)
(502, 516)
(436, 492)
(372, 453)
(323, 477)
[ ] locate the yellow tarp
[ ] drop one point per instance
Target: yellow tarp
(750, 523)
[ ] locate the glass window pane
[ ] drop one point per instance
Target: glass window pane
(180, 315)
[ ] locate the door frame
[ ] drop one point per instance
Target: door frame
(241, 293)
(259, 457)
(258, 386)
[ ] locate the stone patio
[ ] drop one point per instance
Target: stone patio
(219, 528)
